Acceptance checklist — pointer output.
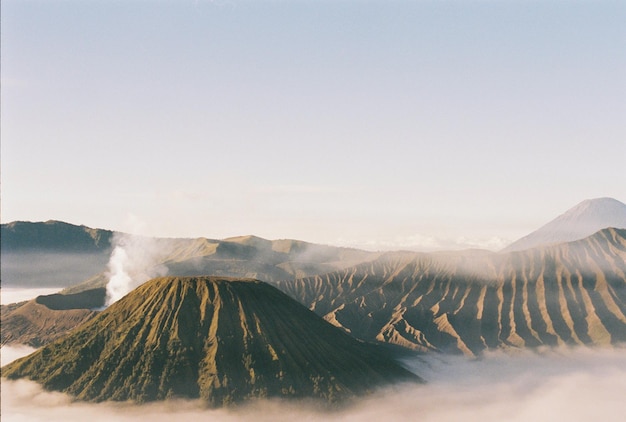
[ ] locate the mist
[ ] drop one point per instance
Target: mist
(17, 294)
(565, 384)
(49, 269)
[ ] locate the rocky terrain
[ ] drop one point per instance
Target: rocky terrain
(34, 323)
(220, 340)
(572, 293)
(460, 301)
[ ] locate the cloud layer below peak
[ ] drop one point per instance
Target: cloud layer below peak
(557, 385)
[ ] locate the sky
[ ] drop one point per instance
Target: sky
(376, 124)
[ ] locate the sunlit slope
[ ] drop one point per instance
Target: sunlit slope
(219, 340)
(254, 257)
(244, 257)
(573, 293)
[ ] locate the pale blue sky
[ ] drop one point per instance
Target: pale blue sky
(371, 123)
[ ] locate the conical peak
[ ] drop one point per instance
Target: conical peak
(580, 221)
(217, 339)
(177, 288)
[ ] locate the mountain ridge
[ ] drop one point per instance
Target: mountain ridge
(571, 293)
(220, 340)
(36, 251)
(453, 302)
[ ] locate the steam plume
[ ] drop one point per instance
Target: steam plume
(134, 260)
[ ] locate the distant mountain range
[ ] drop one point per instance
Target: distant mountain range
(52, 235)
(220, 340)
(467, 302)
(571, 293)
(59, 254)
(245, 339)
(577, 223)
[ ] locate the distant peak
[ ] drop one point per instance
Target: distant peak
(580, 221)
(245, 239)
(599, 202)
(596, 208)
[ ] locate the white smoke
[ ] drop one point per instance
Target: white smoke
(134, 260)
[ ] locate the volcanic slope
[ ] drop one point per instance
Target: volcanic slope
(48, 317)
(220, 340)
(573, 293)
(578, 222)
(38, 321)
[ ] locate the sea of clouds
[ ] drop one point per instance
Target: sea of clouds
(565, 384)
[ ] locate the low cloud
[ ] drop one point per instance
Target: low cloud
(553, 385)
(423, 243)
(9, 353)
(18, 294)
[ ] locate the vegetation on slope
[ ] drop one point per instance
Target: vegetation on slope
(223, 341)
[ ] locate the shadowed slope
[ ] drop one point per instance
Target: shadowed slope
(220, 340)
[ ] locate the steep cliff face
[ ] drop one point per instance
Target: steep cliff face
(220, 340)
(573, 293)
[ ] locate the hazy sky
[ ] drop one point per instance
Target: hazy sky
(372, 123)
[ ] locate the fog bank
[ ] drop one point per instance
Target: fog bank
(49, 269)
(9, 353)
(19, 294)
(555, 385)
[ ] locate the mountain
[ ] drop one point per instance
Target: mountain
(571, 293)
(58, 254)
(221, 340)
(39, 321)
(577, 223)
(460, 302)
(51, 253)
(48, 317)
(243, 257)
(53, 235)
